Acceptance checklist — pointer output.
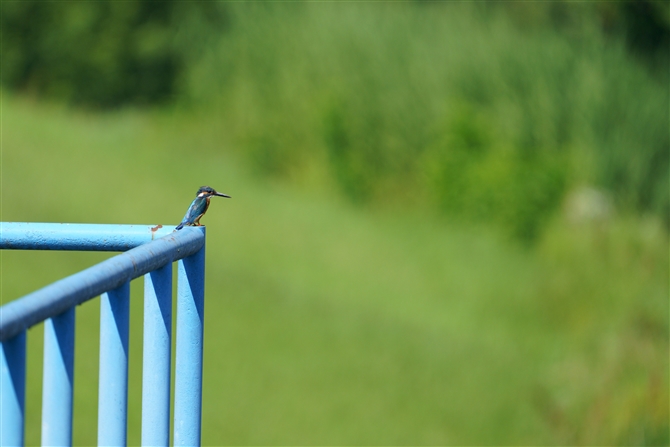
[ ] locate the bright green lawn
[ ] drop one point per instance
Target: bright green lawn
(329, 324)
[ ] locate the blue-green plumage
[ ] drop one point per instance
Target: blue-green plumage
(199, 206)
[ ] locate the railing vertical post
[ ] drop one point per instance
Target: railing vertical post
(113, 386)
(13, 387)
(188, 365)
(156, 357)
(58, 379)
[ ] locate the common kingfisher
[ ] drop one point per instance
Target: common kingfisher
(199, 207)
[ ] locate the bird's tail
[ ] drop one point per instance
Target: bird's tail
(179, 227)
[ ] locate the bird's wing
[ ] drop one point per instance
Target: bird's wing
(196, 209)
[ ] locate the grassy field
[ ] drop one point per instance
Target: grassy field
(328, 323)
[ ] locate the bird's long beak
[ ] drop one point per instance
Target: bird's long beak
(222, 195)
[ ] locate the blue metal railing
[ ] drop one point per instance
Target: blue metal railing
(148, 251)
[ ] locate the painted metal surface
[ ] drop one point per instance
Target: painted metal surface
(157, 357)
(113, 385)
(58, 379)
(59, 296)
(82, 237)
(55, 304)
(13, 387)
(189, 345)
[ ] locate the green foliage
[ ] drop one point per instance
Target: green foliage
(103, 53)
(475, 178)
(444, 104)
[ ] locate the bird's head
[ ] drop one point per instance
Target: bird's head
(206, 191)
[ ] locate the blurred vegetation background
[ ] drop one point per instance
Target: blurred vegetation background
(449, 224)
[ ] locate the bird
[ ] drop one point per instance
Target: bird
(199, 207)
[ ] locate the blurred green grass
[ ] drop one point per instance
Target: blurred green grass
(331, 324)
(451, 106)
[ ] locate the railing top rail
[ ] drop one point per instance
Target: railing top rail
(83, 237)
(59, 296)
